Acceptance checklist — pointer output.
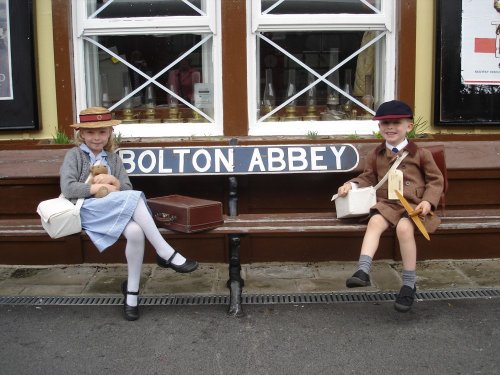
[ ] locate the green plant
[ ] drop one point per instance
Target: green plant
(60, 138)
(420, 126)
(312, 134)
(354, 136)
(118, 138)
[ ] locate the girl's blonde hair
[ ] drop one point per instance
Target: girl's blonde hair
(110, 146)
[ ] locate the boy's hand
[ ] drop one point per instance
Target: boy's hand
(425, 207)
(344, 189)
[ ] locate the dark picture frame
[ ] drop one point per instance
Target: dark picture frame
(456, 103)
(21, 111)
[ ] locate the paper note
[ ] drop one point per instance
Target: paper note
(395, 182)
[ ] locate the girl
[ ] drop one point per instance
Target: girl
(122, 211)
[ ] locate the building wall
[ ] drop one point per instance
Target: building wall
(424, 76)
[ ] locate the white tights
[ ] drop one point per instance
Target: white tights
(142, 225)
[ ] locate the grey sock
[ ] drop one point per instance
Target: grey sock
(409, 278)
(365, 263)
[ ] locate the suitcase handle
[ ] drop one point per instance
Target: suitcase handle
(165, 218)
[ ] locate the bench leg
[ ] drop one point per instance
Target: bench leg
(235, 282)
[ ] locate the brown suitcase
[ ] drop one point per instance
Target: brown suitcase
(186, 214)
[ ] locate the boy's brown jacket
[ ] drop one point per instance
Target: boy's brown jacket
(422, 180)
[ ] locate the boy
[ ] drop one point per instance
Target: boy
(423, 184)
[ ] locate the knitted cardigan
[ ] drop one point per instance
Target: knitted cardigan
(76, 168)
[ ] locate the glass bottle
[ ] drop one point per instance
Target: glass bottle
(310, 101)
(346, 102)
(269, 96)
(150, 103)
(332, 100)
(128, 113)
(105, 101)
(291, 90)
(173, 105)
(195, 79)
(150, 97)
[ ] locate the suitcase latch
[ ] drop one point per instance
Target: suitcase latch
(164, 217)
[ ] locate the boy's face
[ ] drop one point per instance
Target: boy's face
(394, 130)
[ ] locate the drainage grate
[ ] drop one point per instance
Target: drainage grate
(252, 299)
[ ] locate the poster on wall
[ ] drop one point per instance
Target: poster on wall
(18, 90)
(467, 70)
(5, 56)
(481, 42)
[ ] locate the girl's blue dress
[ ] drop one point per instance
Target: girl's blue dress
(104, 219)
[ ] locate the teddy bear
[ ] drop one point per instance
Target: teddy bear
(96, 170)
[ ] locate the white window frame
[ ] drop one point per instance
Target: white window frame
(257, 22)
(209, 23)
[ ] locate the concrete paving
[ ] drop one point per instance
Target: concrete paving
(260, 278)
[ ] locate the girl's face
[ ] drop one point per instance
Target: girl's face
(394, 130)
(95, 139)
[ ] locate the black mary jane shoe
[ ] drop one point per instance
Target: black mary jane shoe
(186, 267)
(129, 312)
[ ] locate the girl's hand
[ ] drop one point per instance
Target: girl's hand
(344, 189)
(94, 188)
(107, 179)
(425, 207)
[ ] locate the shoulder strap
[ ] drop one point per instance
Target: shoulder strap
(374, 164)
(396, 163)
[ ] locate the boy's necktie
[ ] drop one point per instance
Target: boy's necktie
(395, 150)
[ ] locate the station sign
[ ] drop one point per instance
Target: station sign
(234, 160)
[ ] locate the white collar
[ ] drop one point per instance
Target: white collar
(93, 158)
(399, 147)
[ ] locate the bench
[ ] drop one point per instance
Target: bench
(468, 223)
(460, 224)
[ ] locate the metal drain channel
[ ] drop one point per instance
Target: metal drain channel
(251, 299)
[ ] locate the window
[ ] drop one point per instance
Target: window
(320, 67)
(154, 64)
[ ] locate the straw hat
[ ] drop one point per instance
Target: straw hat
(95, 117)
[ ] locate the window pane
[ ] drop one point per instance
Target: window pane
(319, 6)
(141, 8)
(109, 80)
(281, 77)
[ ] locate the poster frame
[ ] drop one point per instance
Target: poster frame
(454, 102)
(20, 111)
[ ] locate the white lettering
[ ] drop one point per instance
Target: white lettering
(128, 159)
(161, 161)
(315, 158)
(208, 160)
(181, 152)
(338, 154)
(221, 159)
(276, 159)
(256, 161)
(140, 161)
(297, 155)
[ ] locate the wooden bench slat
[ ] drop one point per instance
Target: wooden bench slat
(292, 222)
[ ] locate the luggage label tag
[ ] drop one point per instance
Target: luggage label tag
(395, 182)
